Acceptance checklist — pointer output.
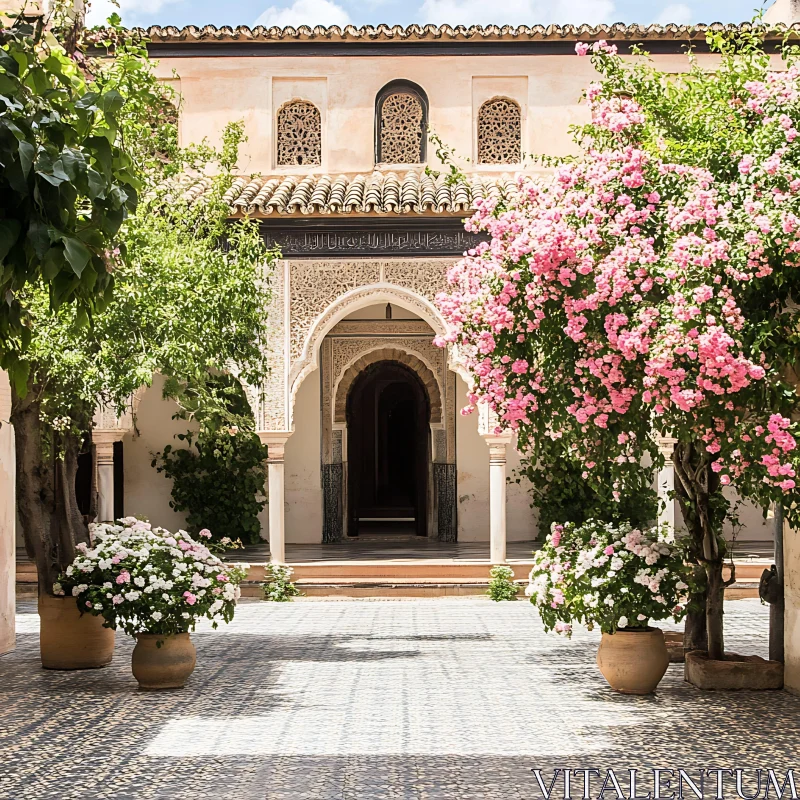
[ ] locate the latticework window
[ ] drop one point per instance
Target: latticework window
(499, 132)
(402, 124)
(299, 135)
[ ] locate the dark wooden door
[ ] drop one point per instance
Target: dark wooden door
(388, 447)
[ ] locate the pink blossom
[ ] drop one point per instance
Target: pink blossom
(123, 577)
(190, 598)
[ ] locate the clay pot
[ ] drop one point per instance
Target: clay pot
(69, 639)
(163, 662)
(633, 661)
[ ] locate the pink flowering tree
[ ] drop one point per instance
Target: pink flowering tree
(650, 289)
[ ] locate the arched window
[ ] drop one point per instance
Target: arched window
(499, 132)
(401, 124)
(299, 135)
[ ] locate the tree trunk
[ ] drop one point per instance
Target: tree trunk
(695, 635)
(714, 610)
(48, 509)
(34, 486)
(69, 520)
(703, 508)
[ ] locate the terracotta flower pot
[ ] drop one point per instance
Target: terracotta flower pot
(166, 666)
(633, 661)
(69, 639)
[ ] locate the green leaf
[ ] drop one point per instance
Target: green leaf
(96, 184)
(88, 101)
(18, 373)
(111, 102)
(9, 233)
(77, 254)
(27, 153)
(38, 237)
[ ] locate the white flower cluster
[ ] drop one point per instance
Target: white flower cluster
(600, 574)
(145, 579)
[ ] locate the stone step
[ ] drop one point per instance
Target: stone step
(431, 588)
(408, 578)
(423, 569)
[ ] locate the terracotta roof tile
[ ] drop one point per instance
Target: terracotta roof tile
(388, 33)
(378, 193)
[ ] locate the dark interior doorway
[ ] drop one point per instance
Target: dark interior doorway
(388, 421)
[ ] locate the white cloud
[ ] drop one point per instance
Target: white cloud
(305, 12)
(679, 13)
(517, 12)
(100, 10)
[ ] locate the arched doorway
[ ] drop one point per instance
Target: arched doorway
(388, 450)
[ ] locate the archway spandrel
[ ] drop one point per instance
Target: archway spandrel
(388, 354)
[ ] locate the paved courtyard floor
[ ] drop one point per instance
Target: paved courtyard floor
(355, 700)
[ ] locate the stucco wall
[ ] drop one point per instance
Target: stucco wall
(216, 91)
(791, 555)
(472, 462)
(147, 493)
(7, 518)
(303, 486)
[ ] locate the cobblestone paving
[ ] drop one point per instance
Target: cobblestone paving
(355, 700)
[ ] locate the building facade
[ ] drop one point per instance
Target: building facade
(361, 412)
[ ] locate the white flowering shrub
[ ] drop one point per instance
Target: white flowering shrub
(611, 576)
(143, 579)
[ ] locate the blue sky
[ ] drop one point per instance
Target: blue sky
(404, 12)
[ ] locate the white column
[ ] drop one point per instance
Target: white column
(497, 496)
(8, 505)
(791, 614)
(666, 484)
(276, 442)
(103, 441)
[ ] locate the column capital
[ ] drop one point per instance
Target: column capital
(108, 435)
(497, 443)
(103, 441)
(666, 446)
(276, 442)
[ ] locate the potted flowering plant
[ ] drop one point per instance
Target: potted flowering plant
(618, 579)
(153, 585)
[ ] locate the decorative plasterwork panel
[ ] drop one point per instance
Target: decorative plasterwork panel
(299, 135)
(106, 418)
(317, 284)
(499, 132)
(425, 278)
(379, 327)
(270, 411)
(401, 129)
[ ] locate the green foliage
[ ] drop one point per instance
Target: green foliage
(67, 181)
(218, 479)
(561, 493)
(501, 584)
(190, 291)
(278, 586)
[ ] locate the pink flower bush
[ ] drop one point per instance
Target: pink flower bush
(619, 297)
(651, 288)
